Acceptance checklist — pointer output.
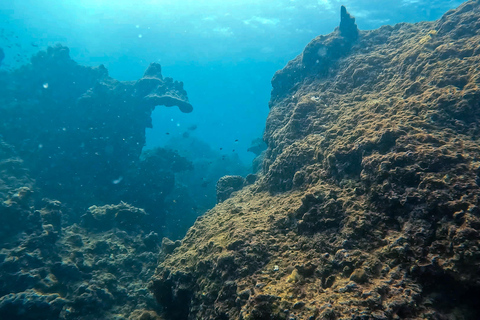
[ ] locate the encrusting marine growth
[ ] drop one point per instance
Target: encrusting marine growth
(367, 206)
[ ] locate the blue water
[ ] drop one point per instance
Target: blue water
(225, 52)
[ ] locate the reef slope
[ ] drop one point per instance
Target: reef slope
(367, 207)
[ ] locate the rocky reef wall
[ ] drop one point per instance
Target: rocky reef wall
(368, 205)
(74, 134)
(79, 131)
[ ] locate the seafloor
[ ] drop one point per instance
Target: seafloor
(366, 205)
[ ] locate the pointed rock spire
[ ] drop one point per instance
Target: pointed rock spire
(348, 27)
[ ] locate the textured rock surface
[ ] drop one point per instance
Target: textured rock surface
(66, 126)
(52, 272)
(16, 189)
(368, 206)
(227, 185)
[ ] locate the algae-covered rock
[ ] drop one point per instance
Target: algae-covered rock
(168, 245)
(144, 315)
(31, 305)
(226, 185)
(367, 204)
(58, 271)
(16, 190)
(123, 216)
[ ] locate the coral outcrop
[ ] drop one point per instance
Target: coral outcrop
(78, 130)
(66, 132)
(16, 188)
(368, 204)
(94, 271)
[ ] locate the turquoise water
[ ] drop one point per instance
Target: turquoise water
(225, 52)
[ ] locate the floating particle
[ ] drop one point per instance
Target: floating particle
(137, 26)
(45, 85)
(140, 35)
(117, 181)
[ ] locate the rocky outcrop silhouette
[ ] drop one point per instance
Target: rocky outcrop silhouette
(79, 131)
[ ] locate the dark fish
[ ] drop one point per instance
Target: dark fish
(192, 127)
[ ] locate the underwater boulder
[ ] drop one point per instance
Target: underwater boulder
(31, 305)
(122, 215)
(226, 185)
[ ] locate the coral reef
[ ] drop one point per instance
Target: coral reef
(78, 130)
(74, 272)
(16, 189)
(64, 127)
(368, 203)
